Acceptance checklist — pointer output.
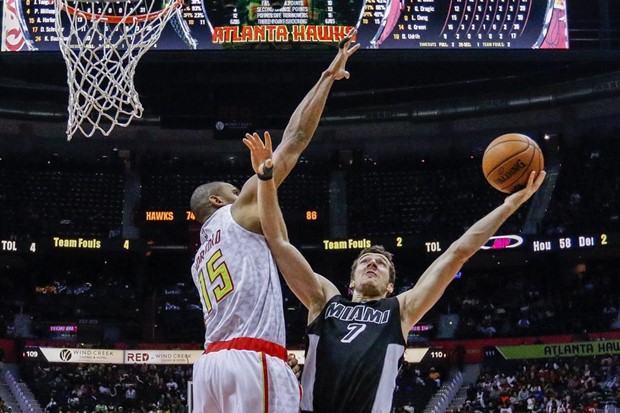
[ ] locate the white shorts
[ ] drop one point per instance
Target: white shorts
(244, 381)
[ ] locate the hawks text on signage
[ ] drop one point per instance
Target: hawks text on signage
(278, 33)
(159, 216)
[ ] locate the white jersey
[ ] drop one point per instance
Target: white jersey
(237, 280)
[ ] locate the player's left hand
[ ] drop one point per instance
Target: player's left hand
(260, 152)
(345, 49)
(533, 184)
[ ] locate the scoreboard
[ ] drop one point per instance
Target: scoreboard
(62, 243)
(430, 246)
(29, 25)
(512, 242)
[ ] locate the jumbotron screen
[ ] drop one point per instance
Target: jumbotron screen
(29, 25)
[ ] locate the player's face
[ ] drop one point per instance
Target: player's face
(372, 275)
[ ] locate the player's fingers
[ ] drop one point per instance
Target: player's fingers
(258, 142)
(268, 140)
(255, 138)
(346, 74)
(248, 143)
(251, 139)
(540, 178)
(353, 49)
(343, 42)
(529, 189)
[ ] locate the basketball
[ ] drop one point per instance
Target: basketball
(508, 161)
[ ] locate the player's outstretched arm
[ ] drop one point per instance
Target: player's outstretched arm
(297, 135)
(311, 289)
(433, 282)
(305, 118)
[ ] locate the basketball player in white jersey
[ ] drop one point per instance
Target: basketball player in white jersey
(244, 368)
(356, 346)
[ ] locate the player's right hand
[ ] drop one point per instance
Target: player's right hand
(260, 152)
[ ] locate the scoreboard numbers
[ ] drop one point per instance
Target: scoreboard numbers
(29, 25)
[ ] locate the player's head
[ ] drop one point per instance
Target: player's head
(207, 198)
(373, 272)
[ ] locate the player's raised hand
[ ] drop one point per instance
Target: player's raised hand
(533, 184)
(345, 49)
(260, 152)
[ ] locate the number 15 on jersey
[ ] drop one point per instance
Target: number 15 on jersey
(218, 283)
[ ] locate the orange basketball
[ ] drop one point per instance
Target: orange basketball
(508, 161)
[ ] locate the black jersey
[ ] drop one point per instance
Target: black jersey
(354, 353)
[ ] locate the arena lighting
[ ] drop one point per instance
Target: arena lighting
(502, 242)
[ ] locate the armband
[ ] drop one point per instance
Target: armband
(267, 173)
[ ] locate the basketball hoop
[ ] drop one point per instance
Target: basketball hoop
(102, 42)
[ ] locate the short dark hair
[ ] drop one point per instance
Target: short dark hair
(376, 249)
(199, 202)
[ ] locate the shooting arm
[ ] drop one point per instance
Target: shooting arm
(431, 285)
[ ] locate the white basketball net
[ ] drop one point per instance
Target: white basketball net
(102, 43)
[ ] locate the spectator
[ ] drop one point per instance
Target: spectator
(435, 376)
(408, 407)
(51, 407)
(172, 385)
(531, 403)
(505, 408)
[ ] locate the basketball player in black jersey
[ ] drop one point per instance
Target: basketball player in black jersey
(356, 346)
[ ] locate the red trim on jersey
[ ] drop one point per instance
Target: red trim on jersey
(252, 344)
(263, 359)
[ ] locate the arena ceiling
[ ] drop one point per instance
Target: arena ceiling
(185, 94)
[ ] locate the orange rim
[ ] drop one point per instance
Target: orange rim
(139, 18)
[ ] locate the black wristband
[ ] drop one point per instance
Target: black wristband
(267, 173)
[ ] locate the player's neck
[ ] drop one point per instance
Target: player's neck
(359, 297)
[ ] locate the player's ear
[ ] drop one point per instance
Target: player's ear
(390, 288)
(216, 201)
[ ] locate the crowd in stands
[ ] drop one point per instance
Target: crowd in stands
(562, 385)
(587, 195)
(415, 385)
(105, 388)
(102, 388)
(556, 297)
(412, 195)
(49, 195)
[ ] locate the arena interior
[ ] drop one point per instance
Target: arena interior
(97, 239)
